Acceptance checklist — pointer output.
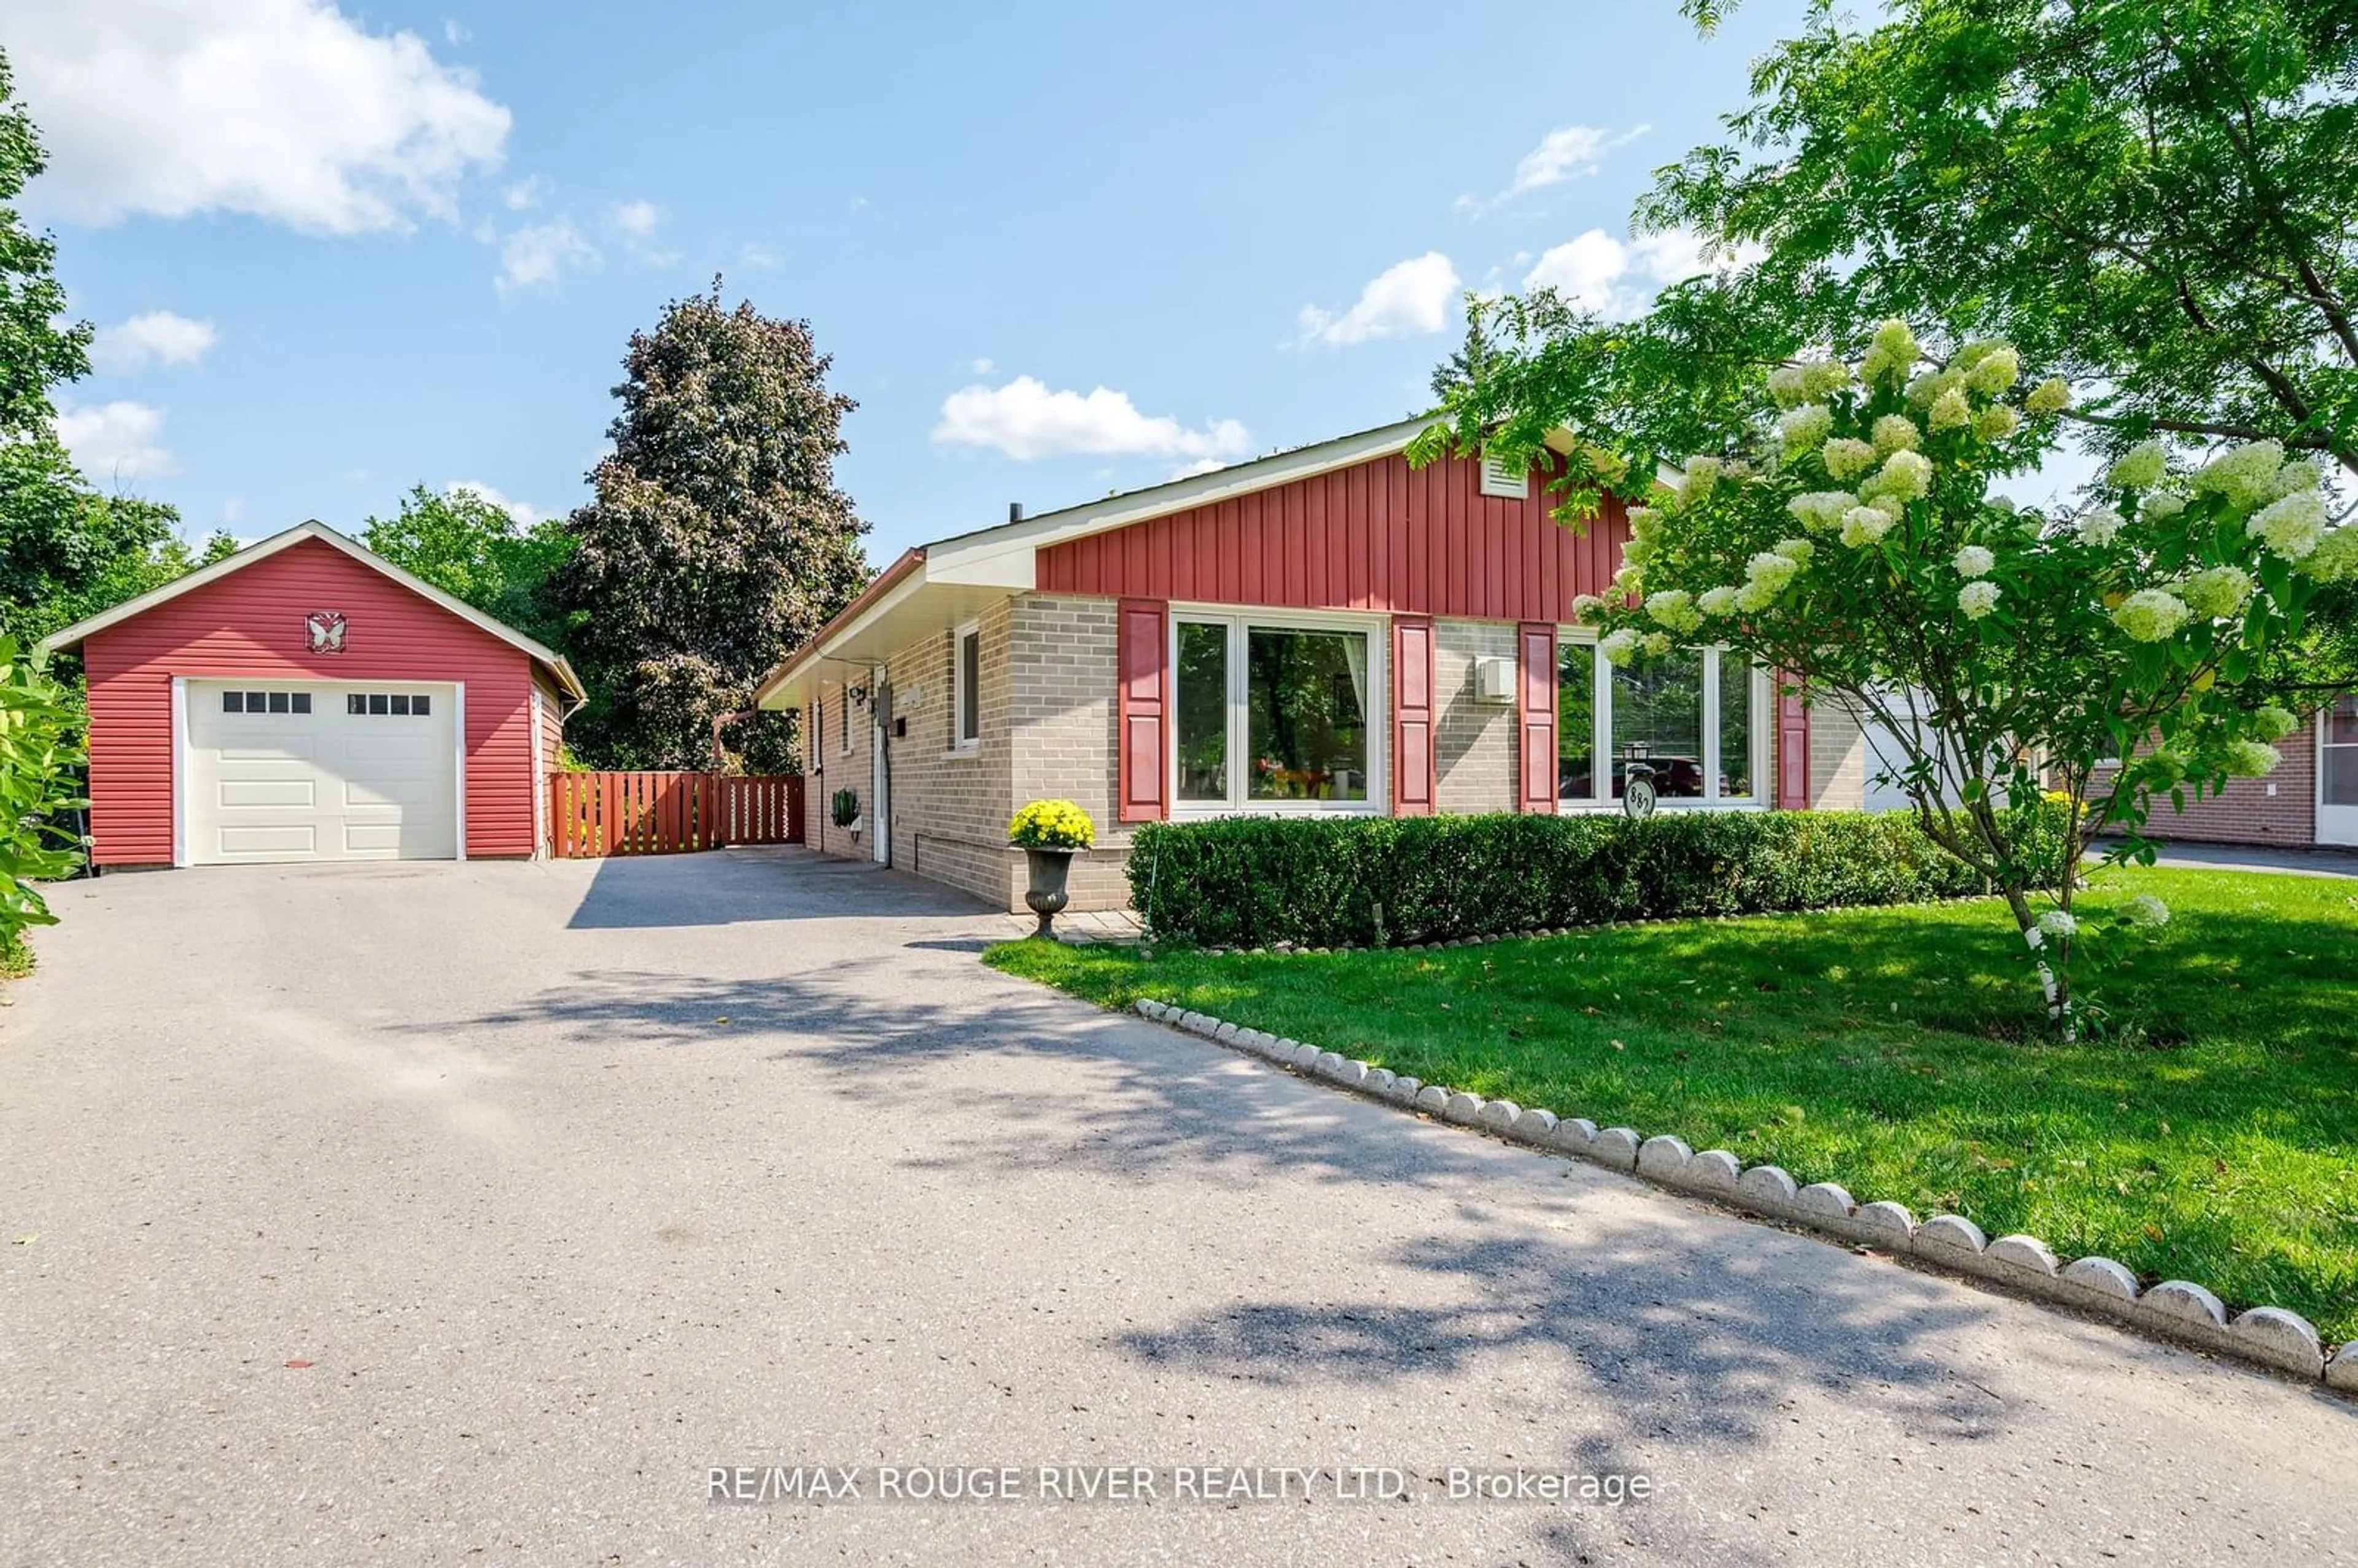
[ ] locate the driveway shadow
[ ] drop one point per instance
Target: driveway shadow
(732, 887)
(1690, 1331)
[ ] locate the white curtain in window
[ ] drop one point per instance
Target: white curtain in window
(1355, 654)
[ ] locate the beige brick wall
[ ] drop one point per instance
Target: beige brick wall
(1063, 714)
(1840, 761)
(1474, 740)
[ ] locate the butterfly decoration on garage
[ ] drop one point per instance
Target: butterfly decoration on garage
(323, 630)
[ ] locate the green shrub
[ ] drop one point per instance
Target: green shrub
(38, 788)
(1356, 882)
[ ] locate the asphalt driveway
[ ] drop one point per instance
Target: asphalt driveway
(474, 1214)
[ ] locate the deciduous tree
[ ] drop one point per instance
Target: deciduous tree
(718, 541)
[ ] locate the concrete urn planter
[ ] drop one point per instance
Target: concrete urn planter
(1047, 895)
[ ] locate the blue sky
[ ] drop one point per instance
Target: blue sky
(1053, 250)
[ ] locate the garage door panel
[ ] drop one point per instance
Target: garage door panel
(280, 841)
(299, 780)
(237, 793)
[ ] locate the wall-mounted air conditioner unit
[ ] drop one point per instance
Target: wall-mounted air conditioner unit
(1494, 679)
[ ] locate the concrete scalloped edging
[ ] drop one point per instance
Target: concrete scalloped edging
(2176, 1309)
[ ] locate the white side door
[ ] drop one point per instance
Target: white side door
(2337, 773)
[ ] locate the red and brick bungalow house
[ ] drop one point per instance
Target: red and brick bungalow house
(1325, 631)
(305, 700)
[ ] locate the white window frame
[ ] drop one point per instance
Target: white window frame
(1376, 628)
(843, 720)
(965, 745)
(1600, 740)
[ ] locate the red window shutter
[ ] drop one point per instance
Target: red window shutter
(1415, 788)
(1535, 689)
(1142, 658)
(1792, 746)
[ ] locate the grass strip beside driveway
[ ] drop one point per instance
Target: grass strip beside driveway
(2206, 1130)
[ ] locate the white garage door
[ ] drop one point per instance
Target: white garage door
(276, 772)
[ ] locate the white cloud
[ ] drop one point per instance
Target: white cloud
(637, 222)
(1026, 420)
(525, 194)
(534, 255)
(114, 442)
(1200, 466)
(1413, 298)
(523, 511)
(1617, 278)
(287, 110)
(156, 337)
(1571, 152)
(978, 367)
(233, 509)
(454, 32)
(755, 255)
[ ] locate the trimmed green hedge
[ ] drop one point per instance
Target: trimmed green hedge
(1360, 881)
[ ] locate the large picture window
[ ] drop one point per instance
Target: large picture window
(1272, 717)
(1689, 716)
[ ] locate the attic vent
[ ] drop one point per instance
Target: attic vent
(1507, 479)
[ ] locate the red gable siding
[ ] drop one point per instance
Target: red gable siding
(251, 624)
(1375, 535)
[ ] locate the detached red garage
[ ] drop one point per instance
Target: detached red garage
(305, 700)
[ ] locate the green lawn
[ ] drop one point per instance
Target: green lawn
(2210, 1133)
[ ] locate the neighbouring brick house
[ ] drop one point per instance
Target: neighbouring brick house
(1326, 631)
(2310, 799)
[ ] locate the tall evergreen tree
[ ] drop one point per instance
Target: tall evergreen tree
(718, 541)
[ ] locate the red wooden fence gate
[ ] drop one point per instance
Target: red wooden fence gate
(591, 815)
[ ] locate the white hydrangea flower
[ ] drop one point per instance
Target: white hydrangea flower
(1656, 643)
(1717, 601)
(1894, 433)
(1995, 371)
(1629, 582)
(2162, 505)
(1974, 560)
(1821, 509)
(1864, 525)
(2050, 396)
(2059, 923)
(2098, 525)
(1926, 389)
(1618, 647)
(2335, 559)
(2142, 466)
(1586, 605)
(1637, 549)
(1891, 354)
(1951, 410)
(1806, 426)
(2291, 526)
(2244, 475)
(1976, 599)
(1798, 550)
(1787, 385)
(1754, 596)
(2217, 593)
(2301, 473)
(2150, 614)
(1644, 519)
(2147, 910)
(1907, 475)
(1701, 473)
(2251, 759)
(1824, 378)
(2274, 723)
(1675, 607)
(1846, 456)
(1997, 422)
(1772, 571)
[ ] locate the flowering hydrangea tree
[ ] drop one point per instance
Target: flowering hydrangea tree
(1853, 543)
